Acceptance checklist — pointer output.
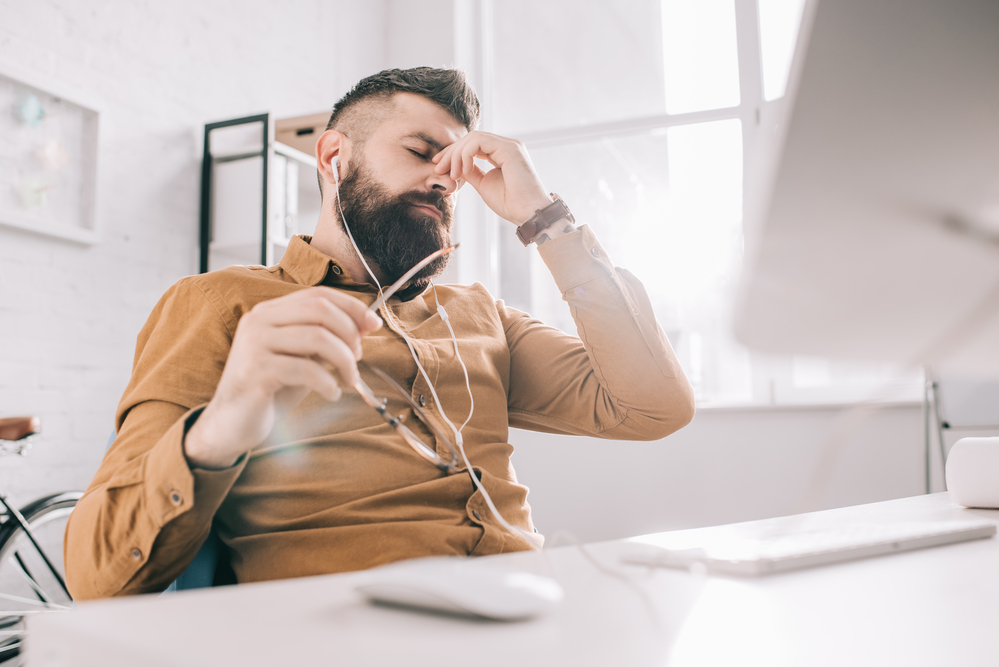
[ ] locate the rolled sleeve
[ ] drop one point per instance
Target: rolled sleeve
(139, 529)
(619, 377)
(147, 511)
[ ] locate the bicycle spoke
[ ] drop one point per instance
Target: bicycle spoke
(29, 579)
(26, 527)
(24, 566)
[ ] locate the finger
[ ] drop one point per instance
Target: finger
(463, 155)
(343, 315)
(355, 308)
(468, 155)
(459, 162)
(475, 176)
(491, 159)
(366, 320)
(306, 313)
(314, 342)
(443, 160)
(455, 163)
(288, 371)
(436, 159)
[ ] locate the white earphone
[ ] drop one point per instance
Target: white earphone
(335, 166)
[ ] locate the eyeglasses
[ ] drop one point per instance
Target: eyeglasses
(380, 404)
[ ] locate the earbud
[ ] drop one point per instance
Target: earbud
(335, 166)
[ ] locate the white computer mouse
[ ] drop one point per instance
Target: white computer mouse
(457, 585)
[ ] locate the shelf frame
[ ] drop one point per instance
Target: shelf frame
(207, 165)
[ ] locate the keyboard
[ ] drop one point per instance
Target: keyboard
(775, 552)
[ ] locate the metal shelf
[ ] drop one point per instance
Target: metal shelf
(251, 195)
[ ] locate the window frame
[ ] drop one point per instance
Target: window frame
(485, 235)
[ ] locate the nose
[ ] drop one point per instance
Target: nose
(444, 184)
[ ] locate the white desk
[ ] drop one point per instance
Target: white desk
(937, 606)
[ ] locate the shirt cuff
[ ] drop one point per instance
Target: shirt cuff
(575, 259)
(177, 485)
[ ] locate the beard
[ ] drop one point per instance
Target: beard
(389, 231)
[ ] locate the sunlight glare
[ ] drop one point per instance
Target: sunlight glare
(779, 23)
(700, 57)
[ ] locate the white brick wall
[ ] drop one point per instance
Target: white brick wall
(69, 314)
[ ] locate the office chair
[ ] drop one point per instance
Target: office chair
(210, 567)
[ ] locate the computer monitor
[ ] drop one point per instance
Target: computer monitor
(877, 233)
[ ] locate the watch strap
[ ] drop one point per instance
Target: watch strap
(544, 218)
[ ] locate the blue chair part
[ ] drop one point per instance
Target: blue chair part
(201, 572)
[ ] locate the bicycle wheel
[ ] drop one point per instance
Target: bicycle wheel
(27, 584)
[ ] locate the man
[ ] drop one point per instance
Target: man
(241, 409)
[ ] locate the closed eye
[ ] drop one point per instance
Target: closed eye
(418, 154)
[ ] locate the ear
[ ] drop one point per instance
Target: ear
(331, 149)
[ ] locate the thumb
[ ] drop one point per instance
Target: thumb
(475, 176)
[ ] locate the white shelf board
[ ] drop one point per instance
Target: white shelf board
(232, 248)
(294, 154)
(74, 234)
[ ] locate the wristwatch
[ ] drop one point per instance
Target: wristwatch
(544, 218)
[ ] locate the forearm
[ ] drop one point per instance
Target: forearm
(620, 378)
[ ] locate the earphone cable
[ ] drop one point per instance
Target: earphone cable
(532, 538)
(350, 235)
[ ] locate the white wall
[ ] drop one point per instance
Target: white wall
(728, 465)
(69, 314)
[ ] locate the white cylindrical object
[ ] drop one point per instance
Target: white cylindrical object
(973, 472)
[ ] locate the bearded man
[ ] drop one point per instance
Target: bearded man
(242, 411)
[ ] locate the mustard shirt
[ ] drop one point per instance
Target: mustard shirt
(334, 488)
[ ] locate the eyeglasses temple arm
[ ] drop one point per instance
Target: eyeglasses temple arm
(394, 287)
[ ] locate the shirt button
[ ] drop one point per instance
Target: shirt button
(337, 270)
(475, 513)
(176, 498)
(423, 401)
(596, 252)
(136, 554)
(635, 310)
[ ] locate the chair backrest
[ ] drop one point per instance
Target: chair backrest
(210, 566)
(202, 571)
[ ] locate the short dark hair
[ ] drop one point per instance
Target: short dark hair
(447, 87)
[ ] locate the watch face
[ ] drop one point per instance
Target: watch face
(554, 212)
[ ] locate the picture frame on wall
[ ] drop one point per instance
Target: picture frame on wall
(49, 137)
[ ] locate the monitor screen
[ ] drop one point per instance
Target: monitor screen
(876, 236)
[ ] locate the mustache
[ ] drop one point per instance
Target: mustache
(433, 198)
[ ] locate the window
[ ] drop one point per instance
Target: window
(644, 119)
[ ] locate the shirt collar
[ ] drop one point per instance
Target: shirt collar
(308, 266)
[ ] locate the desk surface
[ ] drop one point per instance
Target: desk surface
(931, 607)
